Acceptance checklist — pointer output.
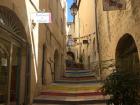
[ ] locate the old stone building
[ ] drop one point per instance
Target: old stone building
(85, 34)
(30, 52)
(118, 32)
(71, 49)
(105, 34)
(33, 55)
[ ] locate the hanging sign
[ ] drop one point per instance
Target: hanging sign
(109, 5)
(41, 17)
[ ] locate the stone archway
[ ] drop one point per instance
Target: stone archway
(13, 39)
(71, 54)
(70, 59)
(127, 54)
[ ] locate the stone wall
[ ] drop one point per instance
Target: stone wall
(85, 29)
(112, 25)
(52, 36)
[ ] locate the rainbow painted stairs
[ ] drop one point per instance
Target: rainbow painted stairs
(78, 75)
(77, 87)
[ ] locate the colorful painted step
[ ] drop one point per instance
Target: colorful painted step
(73, 87)
(75, 74)
(79, 78)
(78, 81)
(63, 100)
(52, 93)
(70, 78)
(78, 71)
(72, 94)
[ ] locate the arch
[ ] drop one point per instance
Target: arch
(71, 54)
(11, 23)
(13, 41)
(126, 53)
(56, 65)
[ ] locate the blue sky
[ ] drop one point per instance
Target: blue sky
(70, 17)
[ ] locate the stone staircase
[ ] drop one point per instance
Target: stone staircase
(71, 94)
(78, 75)
(78, 86)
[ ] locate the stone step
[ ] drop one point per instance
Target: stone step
(71, 94)
(75, 74)
(65, 87)
(78, 71)
(79, 78)
(79, 81)
(70, 104)
(69, 69)
(69, 100)
(84, 79)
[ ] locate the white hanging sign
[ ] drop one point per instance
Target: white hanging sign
(41, 17)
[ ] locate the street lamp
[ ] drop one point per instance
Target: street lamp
(74, 9)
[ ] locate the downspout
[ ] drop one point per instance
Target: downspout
(33, 5)
(97, 41)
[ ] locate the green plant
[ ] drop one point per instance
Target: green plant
(123, 87)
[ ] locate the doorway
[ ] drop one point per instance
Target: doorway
(127, 57)
(9, 72)
(3, 73)
(13, 52)
(15, 74)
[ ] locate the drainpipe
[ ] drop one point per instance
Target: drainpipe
(33, 5)
(97, 38)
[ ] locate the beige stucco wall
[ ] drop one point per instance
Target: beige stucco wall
(112, 25)
(53, 35)
(85, 26)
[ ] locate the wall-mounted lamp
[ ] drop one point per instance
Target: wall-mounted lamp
(74, 9)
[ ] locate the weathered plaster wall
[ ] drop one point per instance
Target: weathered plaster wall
(112, 25)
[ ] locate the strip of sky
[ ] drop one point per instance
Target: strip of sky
(70, 17)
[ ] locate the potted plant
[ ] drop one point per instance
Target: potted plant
(123, 87)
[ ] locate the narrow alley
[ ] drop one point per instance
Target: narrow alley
(76, 86)
(69, 52)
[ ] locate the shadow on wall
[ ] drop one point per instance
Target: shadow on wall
(14, 39)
